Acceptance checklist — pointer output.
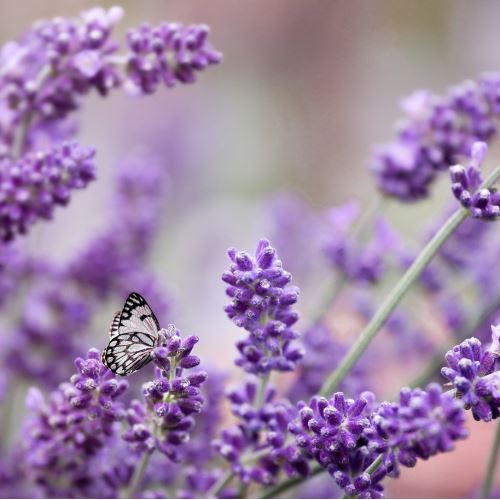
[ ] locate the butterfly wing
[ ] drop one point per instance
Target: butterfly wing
(134, 334)
(137, 316)
(115, 324)
(128, 352)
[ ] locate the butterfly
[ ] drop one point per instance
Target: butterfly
(134, 333)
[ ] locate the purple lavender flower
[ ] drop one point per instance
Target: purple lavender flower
(46, 71)
(471, 370)
(62, 433)
(328, 429)
(483, 203)
(164, 422)
(361, 264)
(168, 54)
(258, 448)
(420, 425)
(33, 186)
(434, 134)
(262, 300)
(332, 433)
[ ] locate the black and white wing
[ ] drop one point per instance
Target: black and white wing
(134, 335)
(115, 324)
(137, 316)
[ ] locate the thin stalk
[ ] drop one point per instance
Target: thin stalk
(398, 292)
(261, 395)
(375, 464)
(220, 485)
(135, 482)
(276, 490)
(492, 462)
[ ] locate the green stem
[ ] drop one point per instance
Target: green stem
(390, 303)
(492, 462)
(375, 464)
(274, 491)
(261, 395)
(220, 485)
(135, 482)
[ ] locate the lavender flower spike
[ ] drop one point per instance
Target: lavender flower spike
(31, 187)
(167, 54)
(262, 300)
(63, 433)
(472, 371)
(435, 133)
(165, 420)
(483, 203)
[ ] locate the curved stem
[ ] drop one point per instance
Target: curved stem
(220, 485)
(390, 303)
(135, 482)
(261, 395)
(492, 462)
(274, 491)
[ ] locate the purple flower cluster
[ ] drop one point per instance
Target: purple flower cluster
(262, 300)
(422, 424)
(434, 134)
(71, 427)
(31, 187)
(46, 71)
(354, 262)
(327, 430)
(482, 203)
(164, 421)
(471, 370)
(44, 76)
(257, 448)
(359, 442)
(165, 55)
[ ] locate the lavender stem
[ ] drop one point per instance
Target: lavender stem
(135, 482)
(398, 292)
(492, 462)
(220, 485)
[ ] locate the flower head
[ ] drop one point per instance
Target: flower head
(436, 131)
(471, 370)
(165, 419)
(74, 424)
(262, 300)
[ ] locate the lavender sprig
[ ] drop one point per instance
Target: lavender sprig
(63, 433)
(262, 300)
(483, 203)
(471, 370)
(436, 132)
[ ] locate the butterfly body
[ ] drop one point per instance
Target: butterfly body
(134, 334)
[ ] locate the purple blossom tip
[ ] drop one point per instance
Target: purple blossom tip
(262, 300)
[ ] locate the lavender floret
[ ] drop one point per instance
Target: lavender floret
(472, 371)
(262, 300)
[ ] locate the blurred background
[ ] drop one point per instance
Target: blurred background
(305, 91)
